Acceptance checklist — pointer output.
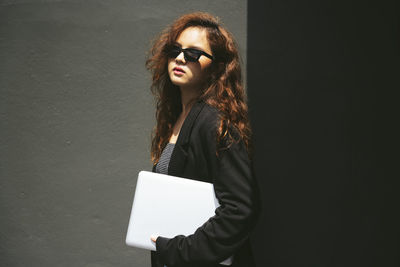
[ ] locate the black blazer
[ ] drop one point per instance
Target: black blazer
(231, 172)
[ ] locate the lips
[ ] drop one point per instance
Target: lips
(177, 69)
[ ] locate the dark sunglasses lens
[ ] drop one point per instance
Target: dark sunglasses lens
(174, 52)
(191, 55)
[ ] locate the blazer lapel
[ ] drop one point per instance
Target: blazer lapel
(179, 155)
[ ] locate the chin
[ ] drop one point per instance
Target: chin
(177, 82)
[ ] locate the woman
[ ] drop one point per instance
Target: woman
(203, 133)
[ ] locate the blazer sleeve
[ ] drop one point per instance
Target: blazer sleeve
(237, 191)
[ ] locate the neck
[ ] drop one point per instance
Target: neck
(188, 97)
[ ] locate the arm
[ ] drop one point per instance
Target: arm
(236, 189)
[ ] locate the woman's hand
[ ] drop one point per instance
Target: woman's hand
(153, 238)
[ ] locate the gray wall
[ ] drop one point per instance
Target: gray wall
(76, 116)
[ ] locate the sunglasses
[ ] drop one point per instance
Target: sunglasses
(190, 54)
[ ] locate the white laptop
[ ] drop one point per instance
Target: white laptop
(167, 206)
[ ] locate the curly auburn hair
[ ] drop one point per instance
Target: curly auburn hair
(223, 89)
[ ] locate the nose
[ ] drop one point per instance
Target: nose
(181, 57)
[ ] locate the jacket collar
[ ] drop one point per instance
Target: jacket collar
(179, 154)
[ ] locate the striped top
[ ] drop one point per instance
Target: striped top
(163, 163)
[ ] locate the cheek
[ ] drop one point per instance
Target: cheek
(202, 72)
(170, 70)
(170, 66)
(205, 66)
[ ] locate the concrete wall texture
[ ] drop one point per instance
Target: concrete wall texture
(76, 117)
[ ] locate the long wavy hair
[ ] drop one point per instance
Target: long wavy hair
(223, 88)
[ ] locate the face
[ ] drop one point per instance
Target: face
(192, 74)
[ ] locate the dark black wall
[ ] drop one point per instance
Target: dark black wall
(320, 83)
